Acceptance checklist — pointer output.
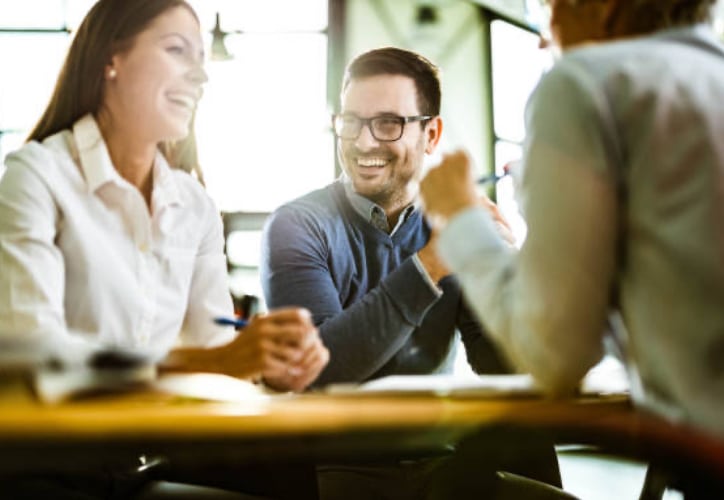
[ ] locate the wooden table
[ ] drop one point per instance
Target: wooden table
(318, 427)
(315, 426)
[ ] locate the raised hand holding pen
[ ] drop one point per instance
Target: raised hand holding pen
(450, 188)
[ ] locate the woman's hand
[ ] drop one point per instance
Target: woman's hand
(296, 376)
(282, 346)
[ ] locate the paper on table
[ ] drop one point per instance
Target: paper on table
(607, 378)
(211, 387)
(520, 385)
(56, 386)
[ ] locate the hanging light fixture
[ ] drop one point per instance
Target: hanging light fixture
(218, 47)
(425, 36)
(426, 15)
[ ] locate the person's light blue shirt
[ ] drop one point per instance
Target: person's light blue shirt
(623, 194)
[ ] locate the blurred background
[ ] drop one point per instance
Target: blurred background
(275, 68)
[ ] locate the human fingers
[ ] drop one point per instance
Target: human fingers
(294, 333)
(292, 324)
(287, 315)
(454, 168)
(313, 355)
(503, 226)
(448, 188)
(289, 354)
(310, 368)
(457, 163)
(297, 376)
(506, 233)
(267, 358)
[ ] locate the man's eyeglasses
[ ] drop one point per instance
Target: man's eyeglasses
(385, 128)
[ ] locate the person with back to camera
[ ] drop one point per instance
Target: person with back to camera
(622, 192)
(106, 240)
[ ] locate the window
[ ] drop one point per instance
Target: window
(263, 124)
(517, 64)
(34, 36)
(26, 88)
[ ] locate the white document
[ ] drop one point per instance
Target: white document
(606, 378)
(57, 386)
(521, 385)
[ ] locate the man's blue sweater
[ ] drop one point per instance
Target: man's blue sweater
(375, 311)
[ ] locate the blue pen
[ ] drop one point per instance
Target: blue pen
(496, 177)
(235, 322)
(493, 178)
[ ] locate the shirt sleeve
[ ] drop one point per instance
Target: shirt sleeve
(32, 269)
(546, 304)
(426, 276)
(209, 294)
(361, 337)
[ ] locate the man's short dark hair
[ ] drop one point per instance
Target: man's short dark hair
(394, 61)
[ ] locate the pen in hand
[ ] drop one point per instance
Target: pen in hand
(235, 322)
(495, 177)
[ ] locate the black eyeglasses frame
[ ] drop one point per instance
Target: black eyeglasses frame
(367, 122)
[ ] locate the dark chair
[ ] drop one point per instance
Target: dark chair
(500, 463)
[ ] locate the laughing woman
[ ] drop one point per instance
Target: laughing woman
(108, 241)
(106, 237)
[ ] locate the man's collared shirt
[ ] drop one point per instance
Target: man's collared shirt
(375, 215)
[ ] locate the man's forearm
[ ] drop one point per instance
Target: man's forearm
(366, 335)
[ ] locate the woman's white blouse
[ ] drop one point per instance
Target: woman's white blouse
(83, 262)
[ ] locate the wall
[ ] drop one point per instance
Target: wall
(454, 42)
(512, 8)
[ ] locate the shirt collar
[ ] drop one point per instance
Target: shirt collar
(98, 169)
(95, 162)
(371, 211)
(165, 185)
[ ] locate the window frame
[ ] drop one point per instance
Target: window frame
(489, 16)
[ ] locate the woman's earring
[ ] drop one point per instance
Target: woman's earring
(112, 74)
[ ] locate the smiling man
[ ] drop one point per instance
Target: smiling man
(357, 253)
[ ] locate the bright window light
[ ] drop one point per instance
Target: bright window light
(517, 65)
(43, 14)
(271, 16)
(242, 248)
(25, 91)
(76, 11)
(263, 124)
